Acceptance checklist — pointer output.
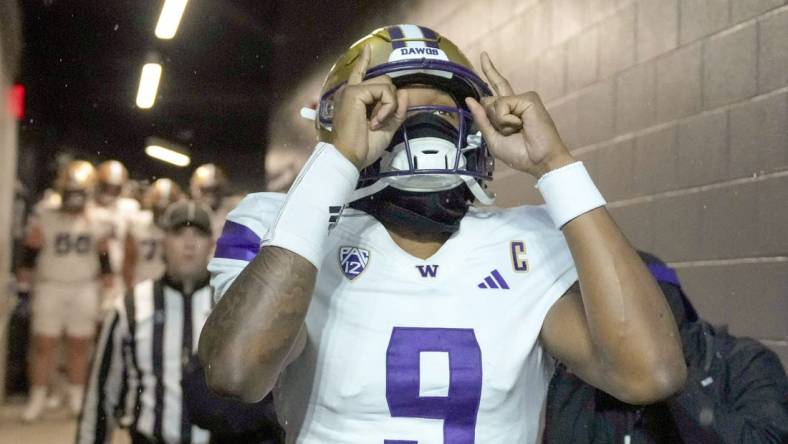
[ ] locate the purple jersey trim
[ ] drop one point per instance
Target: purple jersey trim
(237, 242)
(663, 273)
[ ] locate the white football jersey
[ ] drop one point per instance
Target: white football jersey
(119, 215)
(403, 350)
(69, 253)
(148, 239)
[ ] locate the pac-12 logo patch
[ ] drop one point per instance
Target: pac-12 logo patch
(353, 261)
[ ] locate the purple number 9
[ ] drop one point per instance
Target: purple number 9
(458, 410)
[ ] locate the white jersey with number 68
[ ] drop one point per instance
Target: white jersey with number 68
(69, 252)
(401, 350)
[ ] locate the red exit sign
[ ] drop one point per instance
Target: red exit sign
(16, 101)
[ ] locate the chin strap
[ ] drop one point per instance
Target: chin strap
(369, 190)
(404, 217)
(478, 192)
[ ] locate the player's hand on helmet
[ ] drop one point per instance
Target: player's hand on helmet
(367, 113)
(518, 129)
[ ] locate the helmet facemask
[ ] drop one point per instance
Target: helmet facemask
(73, 200)
(435, 149)
(428, 176)
(107, 193)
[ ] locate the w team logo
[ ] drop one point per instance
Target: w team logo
(353, 261)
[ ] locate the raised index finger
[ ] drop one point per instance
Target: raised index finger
(360, 67)
(499, 84)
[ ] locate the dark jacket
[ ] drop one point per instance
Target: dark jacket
(736, 392)
(228, 420)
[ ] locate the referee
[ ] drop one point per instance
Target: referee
(147, 340)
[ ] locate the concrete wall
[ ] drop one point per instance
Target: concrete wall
(678, 107)
(10, 35)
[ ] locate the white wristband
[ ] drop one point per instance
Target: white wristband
(569, 192)
(313, 204)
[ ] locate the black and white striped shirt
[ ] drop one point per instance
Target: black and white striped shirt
(135, 376)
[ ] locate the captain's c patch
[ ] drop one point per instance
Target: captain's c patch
(519, 262)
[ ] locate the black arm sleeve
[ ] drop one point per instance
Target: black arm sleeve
(27, 257)
(106, 267)
(743, 399)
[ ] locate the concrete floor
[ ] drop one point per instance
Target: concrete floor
(54, 427)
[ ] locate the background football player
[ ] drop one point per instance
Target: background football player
(209, 186)
(64, 252)
(143, 257)
(118, 211)
(416, 317)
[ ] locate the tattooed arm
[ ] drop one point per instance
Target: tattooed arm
(255, 326)
(253, 329)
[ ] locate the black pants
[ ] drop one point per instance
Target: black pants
(137, 438)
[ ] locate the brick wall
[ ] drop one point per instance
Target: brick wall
(678, 108)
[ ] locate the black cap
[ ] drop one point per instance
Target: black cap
(187, 214)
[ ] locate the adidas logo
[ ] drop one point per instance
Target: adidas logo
(494, 280)
(334, 212)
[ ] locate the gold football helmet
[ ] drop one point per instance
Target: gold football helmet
(74, 183)
(412, 54)
(112, 176)
(207, 184)
(160, 194)
(112, 172)
(408, 54)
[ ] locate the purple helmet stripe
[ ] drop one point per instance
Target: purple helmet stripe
(396, 37)
(237, 242)
(431, 37)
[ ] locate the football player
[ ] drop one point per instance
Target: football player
(143, 258)
(412, 316)
(117, 210)
(64, 252)
(208, 185)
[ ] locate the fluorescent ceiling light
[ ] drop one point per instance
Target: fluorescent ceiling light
(170, 18)
(168, 155)
(149, 85)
